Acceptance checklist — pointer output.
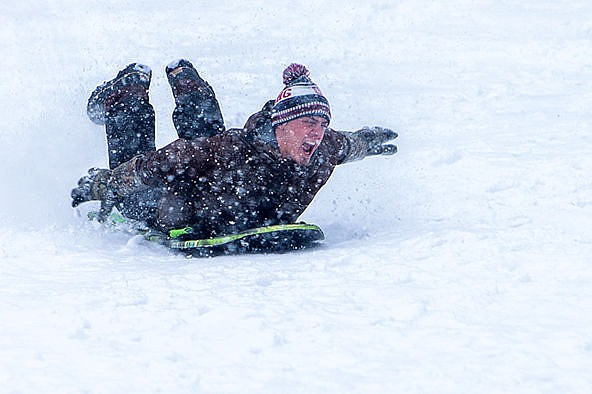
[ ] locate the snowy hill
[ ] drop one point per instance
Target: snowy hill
(462, 264)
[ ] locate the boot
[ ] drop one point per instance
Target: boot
(132, 80)
(183, 78)
(197, 112)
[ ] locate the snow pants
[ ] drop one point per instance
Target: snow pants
(130, 123)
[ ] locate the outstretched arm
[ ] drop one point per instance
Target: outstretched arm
(368, 142)
(108, 186)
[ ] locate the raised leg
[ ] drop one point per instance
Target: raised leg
(122, 106)
(197, 112)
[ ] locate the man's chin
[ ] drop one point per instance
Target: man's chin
(303, 160)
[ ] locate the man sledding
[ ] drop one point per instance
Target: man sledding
(213, 181)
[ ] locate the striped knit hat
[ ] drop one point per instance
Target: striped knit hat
(300, 97)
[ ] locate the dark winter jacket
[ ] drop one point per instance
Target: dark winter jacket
(229, 182)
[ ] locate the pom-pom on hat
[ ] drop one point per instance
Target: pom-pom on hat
(300, 97)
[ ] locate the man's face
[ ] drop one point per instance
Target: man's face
(298, 139)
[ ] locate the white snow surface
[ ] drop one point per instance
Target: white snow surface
(460, 265)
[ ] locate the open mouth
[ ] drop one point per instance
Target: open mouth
(308, 148)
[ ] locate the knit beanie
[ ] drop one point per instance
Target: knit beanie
(300, 97)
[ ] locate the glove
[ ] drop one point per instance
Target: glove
(109, 187)
(91, 187)
(95, 187)
(371, 142)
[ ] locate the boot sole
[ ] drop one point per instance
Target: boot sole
(96, 103)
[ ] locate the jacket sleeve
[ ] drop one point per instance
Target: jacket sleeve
(125, 179)
(365, 142)
(353, 149)
(337, 145)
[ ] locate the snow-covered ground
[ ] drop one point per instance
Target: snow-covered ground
(462, 264)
